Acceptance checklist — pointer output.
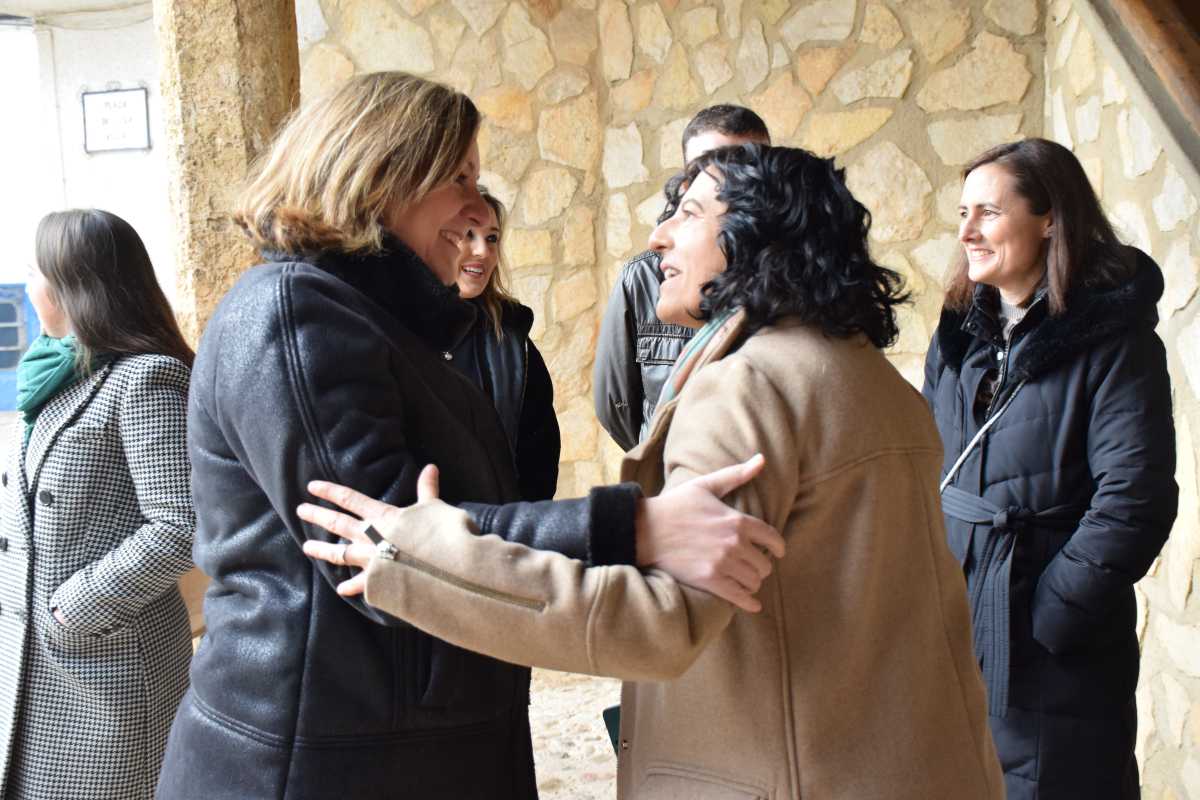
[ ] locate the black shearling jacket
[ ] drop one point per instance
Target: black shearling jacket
(511, 370)
(331, 367)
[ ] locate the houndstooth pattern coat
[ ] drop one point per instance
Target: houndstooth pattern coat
(96, 520)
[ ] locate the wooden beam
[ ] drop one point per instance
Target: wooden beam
(1171, 48)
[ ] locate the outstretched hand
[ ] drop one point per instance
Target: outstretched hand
(690, 534)
(356, 549)
(687, 532)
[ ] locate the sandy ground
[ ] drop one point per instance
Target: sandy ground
(574, 757)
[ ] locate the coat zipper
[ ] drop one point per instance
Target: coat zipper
(1004, 352)
(468, 586)
(1000, 380)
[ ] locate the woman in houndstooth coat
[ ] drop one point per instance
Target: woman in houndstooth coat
(96, 524)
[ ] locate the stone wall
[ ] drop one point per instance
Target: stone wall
(586, 100)
(1094, 106)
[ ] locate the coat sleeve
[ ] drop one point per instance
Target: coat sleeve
(617, 381)
(538, 441)
(1131, 455)
(111, 592)
(543, 609)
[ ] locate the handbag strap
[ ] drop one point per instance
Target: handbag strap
(979, 437)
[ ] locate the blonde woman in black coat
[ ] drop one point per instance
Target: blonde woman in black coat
(498, 355)
(1051, 392)
(97, 524)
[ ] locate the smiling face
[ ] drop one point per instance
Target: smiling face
(690, 255)
(479, 253)
(436, 225)
(1004, 240)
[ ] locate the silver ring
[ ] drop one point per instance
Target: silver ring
(342, 555)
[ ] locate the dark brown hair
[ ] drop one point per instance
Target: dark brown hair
(727, 119)
(1082, 249)
(795, 244)
(100, 275)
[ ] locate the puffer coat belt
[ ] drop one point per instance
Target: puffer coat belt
(990, 603)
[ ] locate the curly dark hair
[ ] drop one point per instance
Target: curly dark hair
(795, 244)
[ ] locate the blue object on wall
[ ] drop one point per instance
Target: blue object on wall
(18, 327)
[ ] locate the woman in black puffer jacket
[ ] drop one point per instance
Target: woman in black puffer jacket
(1063, 502)
(500, 358)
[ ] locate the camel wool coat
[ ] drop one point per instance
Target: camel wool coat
(856, 680)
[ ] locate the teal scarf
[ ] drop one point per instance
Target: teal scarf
(47, 366)
(691, 350)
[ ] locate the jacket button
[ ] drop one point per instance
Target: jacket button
(446, 355)
(3, 544)
(624, 744)
(45, 497)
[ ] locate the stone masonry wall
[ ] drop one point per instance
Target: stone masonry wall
(1092, 110)
(586, 100)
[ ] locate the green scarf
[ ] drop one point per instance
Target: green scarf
(47, 366)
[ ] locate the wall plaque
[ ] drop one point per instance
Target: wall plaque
(117, 119)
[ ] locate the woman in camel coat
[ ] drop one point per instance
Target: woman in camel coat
(856, 677)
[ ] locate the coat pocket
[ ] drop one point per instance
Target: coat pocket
(70, 640)
(678, 782)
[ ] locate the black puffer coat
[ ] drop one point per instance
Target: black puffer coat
(1078, 477)
(511, 371)
(332, 368)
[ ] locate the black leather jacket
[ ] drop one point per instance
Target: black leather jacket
(634, 354)
(331, 368)
(511, 371)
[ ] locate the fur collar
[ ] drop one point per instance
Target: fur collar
(398, 281)
(1092, 316)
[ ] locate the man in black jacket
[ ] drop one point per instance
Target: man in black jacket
(636, 349)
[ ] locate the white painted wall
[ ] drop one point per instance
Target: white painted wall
(44, 162)
(24, 192)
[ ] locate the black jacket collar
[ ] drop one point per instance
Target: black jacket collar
(397, 280)
(1092, 315)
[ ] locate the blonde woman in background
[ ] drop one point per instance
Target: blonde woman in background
(497, 354)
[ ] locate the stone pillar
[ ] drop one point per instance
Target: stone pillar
(230, 73)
